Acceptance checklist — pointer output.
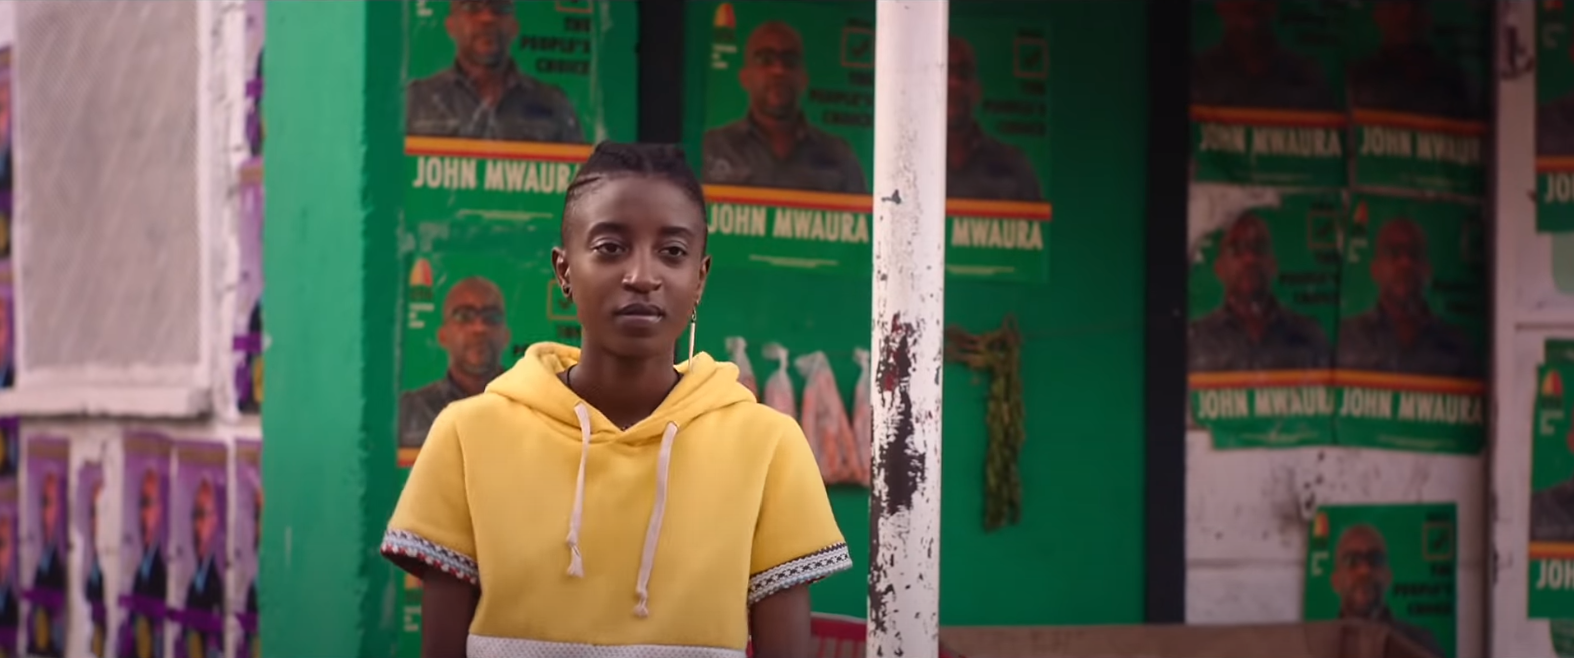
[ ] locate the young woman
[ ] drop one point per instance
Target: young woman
(601, 501)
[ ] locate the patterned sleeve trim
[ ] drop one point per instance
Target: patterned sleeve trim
(403, 546)
(825, 562)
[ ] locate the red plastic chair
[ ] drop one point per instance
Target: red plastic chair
(840, 636)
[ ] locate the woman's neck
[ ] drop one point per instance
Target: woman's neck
(626, 391)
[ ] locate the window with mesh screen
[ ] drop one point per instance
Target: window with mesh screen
(109, 266)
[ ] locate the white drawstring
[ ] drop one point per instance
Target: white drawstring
(576, 563)
(647, 558)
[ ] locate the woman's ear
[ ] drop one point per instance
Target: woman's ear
(704, 276)
(560, 270)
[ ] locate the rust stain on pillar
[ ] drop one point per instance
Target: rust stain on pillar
(904, 468)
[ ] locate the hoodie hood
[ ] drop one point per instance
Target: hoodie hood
(706, 385)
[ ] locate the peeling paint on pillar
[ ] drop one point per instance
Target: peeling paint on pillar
(907, 327)
(904, 464)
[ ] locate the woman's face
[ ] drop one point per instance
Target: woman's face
(633, 263)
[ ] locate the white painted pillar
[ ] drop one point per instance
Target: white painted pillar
(907, 341)
(1526, 311)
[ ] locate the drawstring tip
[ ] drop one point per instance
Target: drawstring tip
(643, 609)
(576, 564)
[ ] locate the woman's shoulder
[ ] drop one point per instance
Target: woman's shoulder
(481, 414)
(485, 405)
(758, 421)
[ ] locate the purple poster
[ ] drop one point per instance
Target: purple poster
(10, 600)
(90, 495)
(197, 543)
(144, 580)
(248, 320)
(44, 545)
(248, 526)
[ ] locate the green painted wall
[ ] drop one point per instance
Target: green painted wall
(333, 193)
(1077, 557)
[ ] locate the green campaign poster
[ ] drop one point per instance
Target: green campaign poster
(1394, 564)
(1551, 547)
(1410, 362)
(1264, 302)
(787, 119)
(1267, 93)
(1417, 73)
(553, 71)
(469, 313)
(1554, 117)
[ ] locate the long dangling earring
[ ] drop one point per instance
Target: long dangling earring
(694, 321)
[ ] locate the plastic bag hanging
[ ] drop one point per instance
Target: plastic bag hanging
(824, 419)
(738, 352)
(863, 420)
(778, 388)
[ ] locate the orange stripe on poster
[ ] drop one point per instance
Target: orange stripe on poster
(480, 148)
(1409, 383)
(1260, 379)
(1554, 165)
(1544, 550)
(1420, 122)
(1256, 117)
(1382, 380)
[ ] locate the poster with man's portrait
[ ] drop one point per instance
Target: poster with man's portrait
(1411, 352)
(788, 129)
(197, 541)
(469, 316)
(504, 98)
(143, 588)
(45, 544)
(1550, 591)
(1264, 304)
(1267, 92)
(1393, 564)
(1418, 73)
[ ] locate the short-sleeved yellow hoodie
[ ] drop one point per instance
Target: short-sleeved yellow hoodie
(585, 539)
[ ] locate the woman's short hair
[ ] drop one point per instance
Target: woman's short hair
(619, 159)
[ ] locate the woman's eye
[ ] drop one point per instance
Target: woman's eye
(675, 251)
(607, 248)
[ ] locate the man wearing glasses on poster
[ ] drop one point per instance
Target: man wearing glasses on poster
(474, 333)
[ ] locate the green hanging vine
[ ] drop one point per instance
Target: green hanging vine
(998, 354)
